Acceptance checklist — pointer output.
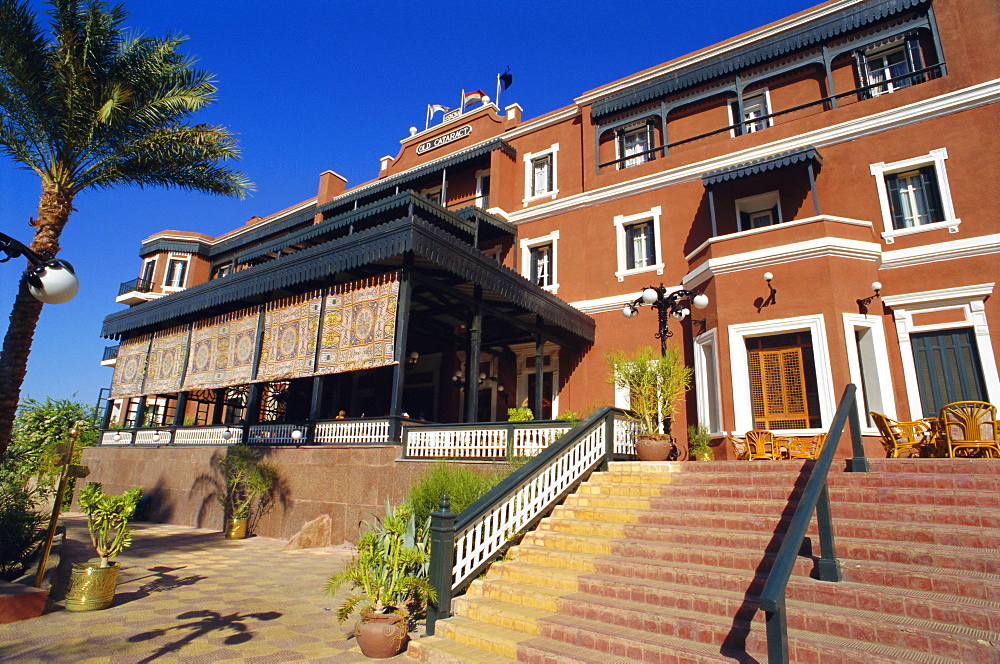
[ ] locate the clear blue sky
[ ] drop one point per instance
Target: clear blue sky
(311, 85)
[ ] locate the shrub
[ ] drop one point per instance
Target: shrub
(23, 530)
(520, 415)
(462, 485)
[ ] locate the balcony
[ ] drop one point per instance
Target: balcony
(110, 356)
(136, 291)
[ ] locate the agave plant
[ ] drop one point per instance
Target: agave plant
(107, 518)
(390, 571)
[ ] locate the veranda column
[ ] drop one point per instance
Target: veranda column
(402, 326)
(472, 361)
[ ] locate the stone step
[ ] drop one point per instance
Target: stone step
(958, 582)
(439, 650)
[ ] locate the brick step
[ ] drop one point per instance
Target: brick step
(957, 582)
(939, 490)
(438, 650)
(716, 614)
(493, 639)
(914, 553)
(948, 535)
(542, 587)
(975, 517)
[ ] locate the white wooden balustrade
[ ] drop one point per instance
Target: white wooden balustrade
(352, 432)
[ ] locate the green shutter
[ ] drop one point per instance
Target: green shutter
(895, 204)
(932, 193)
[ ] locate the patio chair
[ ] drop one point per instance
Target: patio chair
(913, 438)
(762, 444)
(970, 429)
(805, 448)
(740, 448)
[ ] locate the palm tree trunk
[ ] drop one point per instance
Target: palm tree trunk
(53, 213)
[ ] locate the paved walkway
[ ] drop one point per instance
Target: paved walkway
(189, 595)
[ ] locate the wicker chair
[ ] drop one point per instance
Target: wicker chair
(739, 446)
(909, 437)
(762, 444)
(970, 429)
(805, 448)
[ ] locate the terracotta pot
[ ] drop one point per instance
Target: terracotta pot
(236, 528)
(91, 587)
(381, 635)
(653, 446)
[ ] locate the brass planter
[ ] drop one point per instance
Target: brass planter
(236, 529)
(91, 587)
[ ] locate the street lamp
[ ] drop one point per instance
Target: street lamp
(674, 300)
(50, 281)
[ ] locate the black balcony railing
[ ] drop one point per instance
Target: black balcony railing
(136, 285)
(110, 353)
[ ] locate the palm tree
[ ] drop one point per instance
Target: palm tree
(83, 106)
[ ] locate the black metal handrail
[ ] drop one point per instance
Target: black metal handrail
(136, 285)
(816, 497)
(110, 353)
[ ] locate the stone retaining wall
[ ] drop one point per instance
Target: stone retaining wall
(350, 484)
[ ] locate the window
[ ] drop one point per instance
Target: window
(758, 211)
(148, 269)
(483, 189)
(223, 270)
(540, 174)
(914, 198)
(176, 273)
(638, 240)
(634, 144)
(886, 70)
(914, 195)
(706, 382)
(640, 245)
(538, 258)
(868, 361)
(434, 194)
(755, 107)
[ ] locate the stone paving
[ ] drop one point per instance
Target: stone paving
(189, 595)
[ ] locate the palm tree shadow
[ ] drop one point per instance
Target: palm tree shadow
(734, 645)
(203, 622)
(161, 581)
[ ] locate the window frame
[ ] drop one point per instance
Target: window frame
(624, 161)
(185, 272)
(746, 126)
(483, 199)
(740, 368)
(621, 223)
(708, 389)
(768, 201)
(968, 302)
(526, 245)
(935, 158)
(880, 396)
(148, 265)
(530, 158)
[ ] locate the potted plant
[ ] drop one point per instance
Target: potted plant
(92, 585)
(655, 385)
(522, 414)
(698, 447)
(246, 478)
(387, 578)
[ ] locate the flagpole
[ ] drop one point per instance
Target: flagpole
(461, 104)
(427, 121)
(497, 98)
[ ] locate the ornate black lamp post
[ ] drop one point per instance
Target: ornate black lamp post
(675, 301)
(50, 281)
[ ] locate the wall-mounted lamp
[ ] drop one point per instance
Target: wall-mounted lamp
(156, 437)
(296, 435)
(864, 302)
(413, 357)
(227, 435)
(772, 298)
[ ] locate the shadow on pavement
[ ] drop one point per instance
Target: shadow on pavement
(203, 622)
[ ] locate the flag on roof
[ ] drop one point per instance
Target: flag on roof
(472, 97)
(505, 79)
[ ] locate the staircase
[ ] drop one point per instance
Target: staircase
(663, 563)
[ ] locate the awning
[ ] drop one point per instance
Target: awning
(382, 245)
(796, 39)
(762, 165)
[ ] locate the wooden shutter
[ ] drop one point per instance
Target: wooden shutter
(914, 59)
(895, 203)
(778, 389)
(861, 69)
(932, 193)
